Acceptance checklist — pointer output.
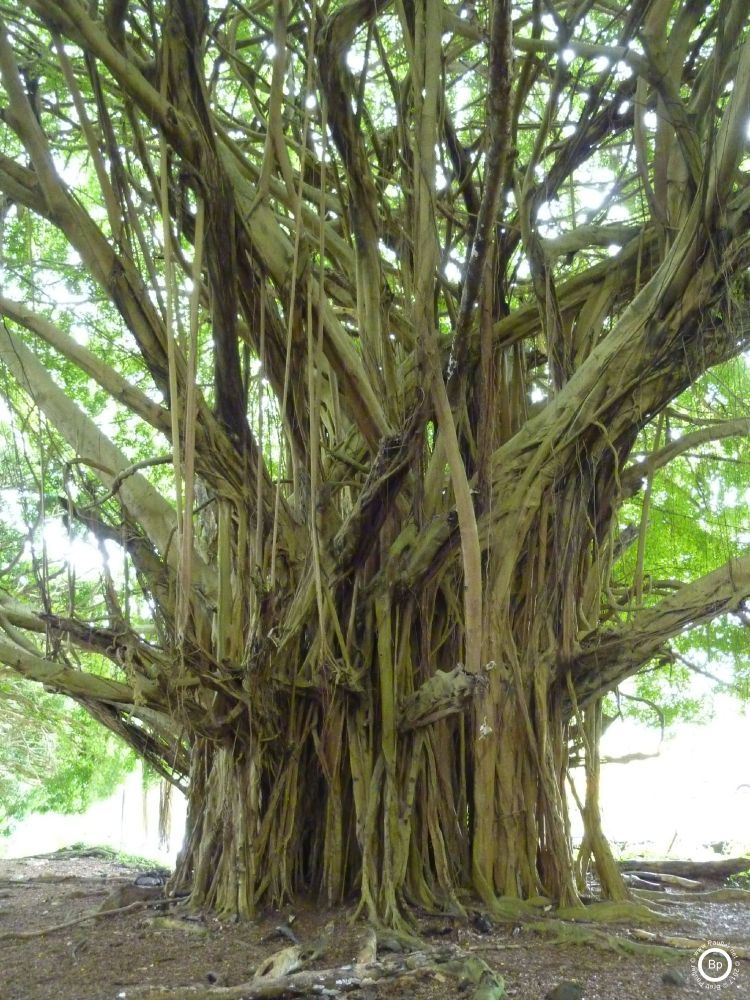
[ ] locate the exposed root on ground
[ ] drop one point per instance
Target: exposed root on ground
(469, 970)
(612, 912)
(563, 933)
(510, 910)
(683, 943)
(724, 895)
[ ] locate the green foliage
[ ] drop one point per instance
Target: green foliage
(53, 756)
(82, 850)
(741, 880)
(660, 696)
(697, 519)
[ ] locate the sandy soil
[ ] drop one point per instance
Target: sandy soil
(124, 955)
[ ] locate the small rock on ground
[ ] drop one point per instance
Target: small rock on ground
(673, 978)
(566, 991)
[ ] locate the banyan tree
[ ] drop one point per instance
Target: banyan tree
(348, 331)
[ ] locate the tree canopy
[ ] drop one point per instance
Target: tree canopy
(390, 356)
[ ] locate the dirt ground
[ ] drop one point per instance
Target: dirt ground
(140, 952)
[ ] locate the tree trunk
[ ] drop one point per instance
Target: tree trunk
(373, 595)
(411, 782)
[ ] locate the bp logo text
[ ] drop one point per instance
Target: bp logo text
(714, 966)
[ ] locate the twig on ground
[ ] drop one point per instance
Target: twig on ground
(91, 915)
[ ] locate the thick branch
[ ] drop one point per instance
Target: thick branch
(110, 380)
(608, 658)
(499, 107)
(588, 236)
(633, 477)
(390, 468)
(90, 33)
(162, 750)
(77, 683)
(88, 443)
